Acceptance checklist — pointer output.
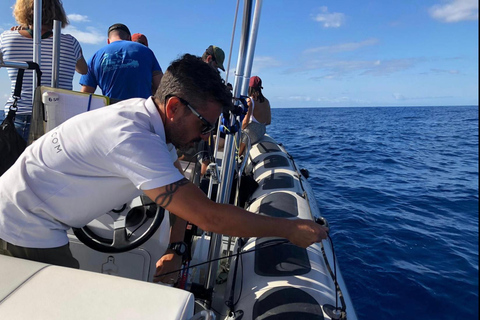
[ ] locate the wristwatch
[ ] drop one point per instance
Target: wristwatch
(180, 248)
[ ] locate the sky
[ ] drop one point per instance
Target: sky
(309, 53)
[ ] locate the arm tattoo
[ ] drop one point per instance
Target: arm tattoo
(164, 199)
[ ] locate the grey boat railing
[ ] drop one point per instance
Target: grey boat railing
(242, 77)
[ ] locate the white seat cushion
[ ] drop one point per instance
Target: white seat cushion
(31, 290)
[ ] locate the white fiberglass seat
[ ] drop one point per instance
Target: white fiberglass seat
(32, 290)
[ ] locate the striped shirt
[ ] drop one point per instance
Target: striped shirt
(16, 47)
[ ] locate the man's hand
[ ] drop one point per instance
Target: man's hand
(168, 263)
(307, 232)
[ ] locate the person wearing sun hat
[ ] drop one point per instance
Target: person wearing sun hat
(140, 38)
(258, 115)
(215, 57)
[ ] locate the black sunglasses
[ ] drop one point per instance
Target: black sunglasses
(207, 126)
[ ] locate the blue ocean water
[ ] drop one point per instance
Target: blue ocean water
(399, 187)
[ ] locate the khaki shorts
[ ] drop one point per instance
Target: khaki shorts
(255, 132)
(60, 256)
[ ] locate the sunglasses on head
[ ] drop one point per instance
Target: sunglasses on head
(207, 126)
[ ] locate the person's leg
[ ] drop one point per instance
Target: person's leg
(243, 141)
(60, 256)
(252, 133)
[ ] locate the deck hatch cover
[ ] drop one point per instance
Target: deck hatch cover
(265, 147)
(280, 205)
(282, 260)
(278, 181)
(286, 303)
(275, 161)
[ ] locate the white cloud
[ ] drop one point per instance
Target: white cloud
(445, 71)
(343, 47)
(91, 36)
(77, 18)
(402, 97)
(455, 11)
(381, 68)
(298, 98)
(264, 62)
(337, 69)
(398, 96)
(330, 20)
(323, 100)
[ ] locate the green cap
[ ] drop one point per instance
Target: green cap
(218, 54)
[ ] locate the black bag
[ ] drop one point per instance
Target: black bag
(11, 143)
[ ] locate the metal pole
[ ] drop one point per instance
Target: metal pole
(57, 26)
(242, 50)
(227, 170)
(251, 45)
(231, 42)
(13, 64)
(37, 38)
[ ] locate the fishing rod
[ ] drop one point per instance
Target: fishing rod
(259, 247)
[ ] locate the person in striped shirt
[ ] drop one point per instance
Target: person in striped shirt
(17, 45)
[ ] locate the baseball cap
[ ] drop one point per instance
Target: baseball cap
(118, 26)
(218, 54)
(138, 37)
(255, 82)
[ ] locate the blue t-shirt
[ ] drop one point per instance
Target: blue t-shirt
(123, 70)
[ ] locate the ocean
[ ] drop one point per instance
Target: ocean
(399, 187)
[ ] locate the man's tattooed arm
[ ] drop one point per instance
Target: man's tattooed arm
(165, 198)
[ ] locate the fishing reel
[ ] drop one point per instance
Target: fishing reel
(322, 221)
(231, 125)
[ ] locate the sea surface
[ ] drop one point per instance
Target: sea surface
(399, 187)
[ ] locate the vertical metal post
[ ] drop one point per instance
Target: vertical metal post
(228, 162)
(57, 26)
(251, 46)
(242, 50)
(231, 42)
(37, 38)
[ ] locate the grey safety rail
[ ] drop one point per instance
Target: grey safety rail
(13, 64)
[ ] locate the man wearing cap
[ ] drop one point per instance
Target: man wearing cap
(122, 69)
(140, 38)
(215, 57)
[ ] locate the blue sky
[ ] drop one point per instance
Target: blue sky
(310, 53)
